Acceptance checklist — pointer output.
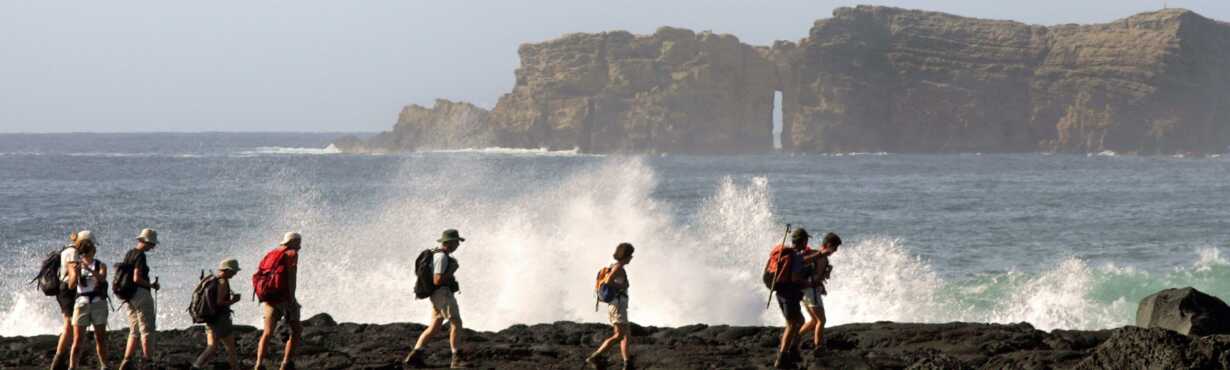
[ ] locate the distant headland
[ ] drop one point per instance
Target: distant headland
(869, 79)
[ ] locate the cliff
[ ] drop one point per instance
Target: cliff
(868, 79)
(564, 345)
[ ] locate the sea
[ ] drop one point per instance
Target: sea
(1057, 241)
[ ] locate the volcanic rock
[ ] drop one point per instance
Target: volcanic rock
(1187, 311)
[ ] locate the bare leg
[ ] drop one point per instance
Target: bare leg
(62, 347)
(131, 347)
(789, 336)
(232, 355)
(436, 320)
(811, 324)
(623, 344)
(211, 345)
(263, 343)
(818, 339)
(100, 344)
(147, 348)
(296, 331)
(616, 336)
(454, 334)
(74, 357)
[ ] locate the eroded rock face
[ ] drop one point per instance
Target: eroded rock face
(446, 125)
(674, 91)
(887, 79)
(1187, 311)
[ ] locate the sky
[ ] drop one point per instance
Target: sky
(349, 66)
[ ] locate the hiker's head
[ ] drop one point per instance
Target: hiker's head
(831, 241)
(147, 239)
(623, 252)
(228, 268)
(85, 244)
(292, 240)
(81, 236)
(799, 238)
(450, 240)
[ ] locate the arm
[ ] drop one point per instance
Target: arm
(74, 274)
(439, 265)
(223, 292)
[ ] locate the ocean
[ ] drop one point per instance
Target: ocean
(1059, 241)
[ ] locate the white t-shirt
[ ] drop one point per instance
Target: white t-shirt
(69, 255)
(439, 262)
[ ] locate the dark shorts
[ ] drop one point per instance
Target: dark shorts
(221, 326)
(788, 299)
(67, 298)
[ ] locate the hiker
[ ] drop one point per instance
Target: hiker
(815, 289)
(219, 327)
(275, 282)
(90, 308)
(443, 303)
(786, 278)
(66, 296)
(615, 278)
(142, 310)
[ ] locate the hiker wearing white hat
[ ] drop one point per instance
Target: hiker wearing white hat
(66, 297)
(219, 328)
(142, 310)
(275, 285)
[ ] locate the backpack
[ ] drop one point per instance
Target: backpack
(48, 277)
(100, 291)
(204, 305)
(424, 284)
(771, 279)
(269, 282)
(602, 288)
(121, 284)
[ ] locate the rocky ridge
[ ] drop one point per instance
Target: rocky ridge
(563, 345)
(869, 79)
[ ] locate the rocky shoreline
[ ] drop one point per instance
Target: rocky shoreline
(563, 345)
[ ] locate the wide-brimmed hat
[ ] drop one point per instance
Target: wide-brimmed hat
(289, 237)
(84, 235)
(146, 235)
(229, 265)
(450, 235)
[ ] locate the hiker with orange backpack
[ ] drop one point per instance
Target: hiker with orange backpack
(785, 276)
(274, 284)
(612, 287)
(435, 270)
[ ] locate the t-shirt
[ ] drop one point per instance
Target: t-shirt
(439, 262)
(67, 256)
(88, 282)
(139, 265)
(619, 280)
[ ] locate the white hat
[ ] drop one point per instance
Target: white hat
(290, 236)
(84, 235)
(148, 236)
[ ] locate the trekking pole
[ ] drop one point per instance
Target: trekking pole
(778, 274)
(155, 292)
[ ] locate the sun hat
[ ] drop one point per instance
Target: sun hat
(84, 235)
(147, 235)
(450, 235)
(230, 264)
(289, 237)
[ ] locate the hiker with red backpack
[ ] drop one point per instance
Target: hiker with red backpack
(612, 287)
(274, 285)
(142, 310)
(435, 270)
(786, 277)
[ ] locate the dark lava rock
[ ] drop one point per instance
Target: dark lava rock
(1187, 311)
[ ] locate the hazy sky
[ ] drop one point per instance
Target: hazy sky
(339, 65)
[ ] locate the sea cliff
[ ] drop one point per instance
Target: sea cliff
(869, 79)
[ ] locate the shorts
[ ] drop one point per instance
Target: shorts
(220, 327)
(813, 297)
(444, 305)
(90, 313)
(142, 313)
(67, 300)
(278, 311)
(617, 312)
(788, 299)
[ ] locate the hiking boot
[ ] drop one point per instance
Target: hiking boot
(597, 361)
(289, 365)
(629, 364)
(456, 363)
(414, 360)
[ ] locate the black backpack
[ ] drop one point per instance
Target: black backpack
(424, 285)
(122, 284)
(48, 278)
(204, 305)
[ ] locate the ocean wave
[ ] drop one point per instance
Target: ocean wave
(277, 150)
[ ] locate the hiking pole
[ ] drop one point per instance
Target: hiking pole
(778, 274)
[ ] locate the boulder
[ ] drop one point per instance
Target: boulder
(1187, 311)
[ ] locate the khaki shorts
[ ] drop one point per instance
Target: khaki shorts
(142, 313)
(278, 311)
(618, 310)
(90, 314)
(813, 297)
(444, 305)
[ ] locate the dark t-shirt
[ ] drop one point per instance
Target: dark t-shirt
(137, 258)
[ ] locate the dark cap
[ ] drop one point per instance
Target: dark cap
(450, 235)
(799, 234)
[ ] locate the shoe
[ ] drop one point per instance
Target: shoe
(779, 361)
(630, 364)
(414, 360)
(456, 363)
(597, 361)
(289, 365)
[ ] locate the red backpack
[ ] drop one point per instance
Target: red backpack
(269, 283)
